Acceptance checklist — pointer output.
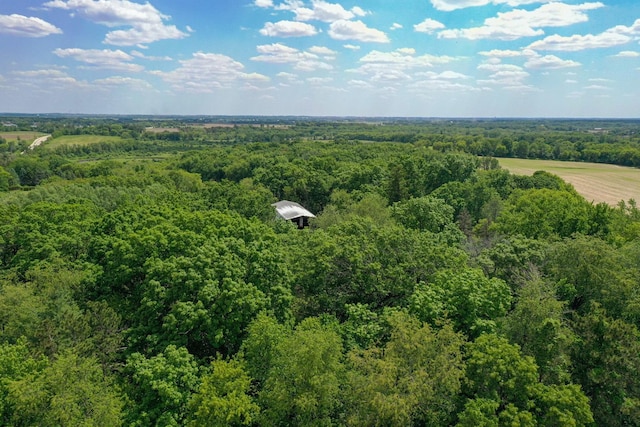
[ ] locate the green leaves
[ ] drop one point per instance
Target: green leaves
(222, 399)
(472, 301)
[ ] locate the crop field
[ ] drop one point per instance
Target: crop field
(597, 182)
(20, 135)
(80, 140)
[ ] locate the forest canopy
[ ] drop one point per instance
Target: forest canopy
(146, 280)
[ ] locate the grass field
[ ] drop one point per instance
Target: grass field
(21, 135)
(80, 140)
(595, 181)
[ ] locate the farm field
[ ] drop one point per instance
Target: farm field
(21, 135)
(597, 182)
(80, 140)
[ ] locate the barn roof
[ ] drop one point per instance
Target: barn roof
(291, 210)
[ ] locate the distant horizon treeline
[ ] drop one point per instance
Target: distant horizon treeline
(612, 142)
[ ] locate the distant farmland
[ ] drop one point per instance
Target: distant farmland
(80, 140)
(597, 182)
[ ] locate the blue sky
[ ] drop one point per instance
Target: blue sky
(426, 58)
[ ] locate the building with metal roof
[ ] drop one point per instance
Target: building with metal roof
(294, 212)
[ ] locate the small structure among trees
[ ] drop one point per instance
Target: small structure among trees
(294, 212)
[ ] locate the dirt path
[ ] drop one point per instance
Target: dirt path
(39, 141)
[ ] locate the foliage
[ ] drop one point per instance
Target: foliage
(303, 384)
(71, 390)
(412, 380)
(145, 281)
(161, 386)
(472, 301)
(222, 398)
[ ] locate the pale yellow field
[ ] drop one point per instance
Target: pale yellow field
(595, 181)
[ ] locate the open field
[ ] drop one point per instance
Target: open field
(595, 181)
(80, 140)
(21, 135)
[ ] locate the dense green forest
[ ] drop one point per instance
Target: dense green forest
(146, 281)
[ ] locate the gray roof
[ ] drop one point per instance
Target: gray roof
(291, 210)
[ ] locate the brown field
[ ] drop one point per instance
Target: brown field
(21, 135)
(595, 181)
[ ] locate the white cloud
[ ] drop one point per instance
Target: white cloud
(325, 12)
(450, 5)
(23, 26)
(445, 75)
(278, 53)
(396, 26)
(356, 30)
(396, 67)
(428, 26)
(103, 59)
(571, 81)
(351, 47)
(138, 54)
(264, 3)
(597, 87)
(288, 29)
(627, 54)
(48, 80)
(143, 34)
(579, 42)
(405, 58)
(550, 62)
(319, 80)
(115, 81)
(205, 72)
(321, 50)
(146, 22)
(520, 23)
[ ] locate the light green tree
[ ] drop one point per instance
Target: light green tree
(222, 399)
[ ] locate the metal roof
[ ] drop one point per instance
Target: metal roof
(291, 210)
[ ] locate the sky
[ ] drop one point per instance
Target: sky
(375, 58)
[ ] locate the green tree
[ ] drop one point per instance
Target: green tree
(160, 387)
(222, 399)
(16, 362)
(540, 213)
(303, 385)
(606, 362)
(504, 390)
(423, 213)
(70, 391)
(472, 301)
(413, 380)
(537, 324)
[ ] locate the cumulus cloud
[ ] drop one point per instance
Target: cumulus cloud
(396, 67)
(288, 29)
(356, 30)
(205, 72)
(278, 53)
(23, 26)
(428, 26)
(396, 26)
(321, 50)
(104, 59)
(550, 62)
(48, 80)
(520, 23)
(264, 3)
(627, 54)
(146, 22)
(580, 42)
